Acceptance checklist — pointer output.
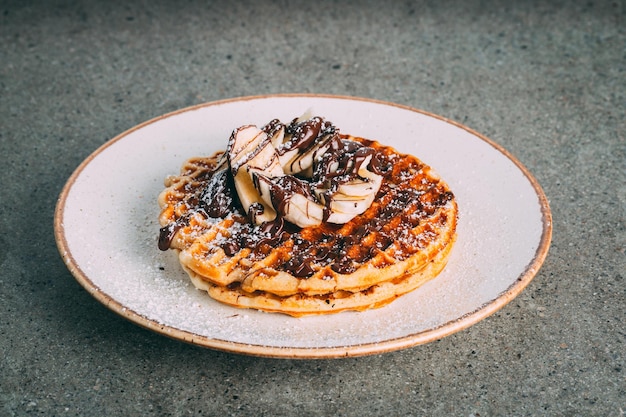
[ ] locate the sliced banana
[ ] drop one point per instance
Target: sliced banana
(241, 144)
(263, 163)
(278, 137)
(304, 138)
(303, 212)
(350, 204)
(275, 129)
(351, 198)
(250, 151)
(303, 163)
(358, 187)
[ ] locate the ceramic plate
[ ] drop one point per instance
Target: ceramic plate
(106, 229)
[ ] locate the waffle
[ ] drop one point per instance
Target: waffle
(299, 305)
(401, 241)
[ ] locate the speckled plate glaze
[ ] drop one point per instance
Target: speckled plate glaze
(106, 230)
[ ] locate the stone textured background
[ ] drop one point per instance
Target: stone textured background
(546, 80)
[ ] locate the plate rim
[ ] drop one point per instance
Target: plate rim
(370, 348)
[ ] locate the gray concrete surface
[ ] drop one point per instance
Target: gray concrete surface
(547, 80)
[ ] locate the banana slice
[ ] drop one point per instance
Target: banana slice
(303, 163)
(264, 161)
(304, 139)
(292, 198)
(275, 129)
(250, 151)
(303, 212)
(358, 187)
(350, 204)
(345, 200)
(241, 144)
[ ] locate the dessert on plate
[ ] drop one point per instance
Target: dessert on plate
(300, 219)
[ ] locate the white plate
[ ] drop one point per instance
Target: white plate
(106, 229)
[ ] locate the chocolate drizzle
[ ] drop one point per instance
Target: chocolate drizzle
(283, 188)
(216, 199)
(401, 204)
(300, 134)
(219, 196)
(341, 164)
(167, 233)
(255, 209)
(343, 160)
(234, 166)
(273, 127)
(258, 238)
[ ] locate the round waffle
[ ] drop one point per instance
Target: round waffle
(299, 304)
(401, 241)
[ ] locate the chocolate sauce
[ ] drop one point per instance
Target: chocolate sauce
(219, 197)
(273, 127)
(304, 134)
(255, 210)
(305, 254)
(268, 234)
(283, 188)
(400, 207)
(342, 161)
(300, 135)
(166, 234)
(234, 167)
